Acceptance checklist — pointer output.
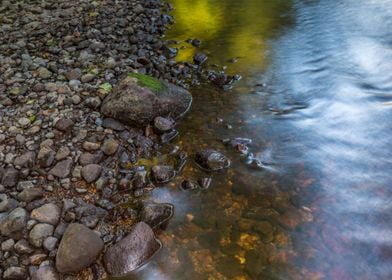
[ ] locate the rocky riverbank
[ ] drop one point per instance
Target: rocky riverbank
(75, 161)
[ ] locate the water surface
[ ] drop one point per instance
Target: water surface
(316, 100)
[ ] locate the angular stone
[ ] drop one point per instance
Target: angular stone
(46, 156)
(91, 172)
(131, 252)
(163, 124)
(62, 169)
(78, 248)
(136, 103)
(25, 160)
(48, 213)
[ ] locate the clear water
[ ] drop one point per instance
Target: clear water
(320, 208)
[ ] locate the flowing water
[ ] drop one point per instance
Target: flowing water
(316, 99)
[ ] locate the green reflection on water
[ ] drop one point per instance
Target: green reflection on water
(229, 29)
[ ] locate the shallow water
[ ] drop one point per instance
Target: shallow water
(316, 100)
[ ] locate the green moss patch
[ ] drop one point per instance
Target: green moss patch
(147, 81)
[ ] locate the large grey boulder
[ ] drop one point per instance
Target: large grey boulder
(139, 99)
(133, 251)
(78, 248)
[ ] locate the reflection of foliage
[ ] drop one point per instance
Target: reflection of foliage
(228, 28)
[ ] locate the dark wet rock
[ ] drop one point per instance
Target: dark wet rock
(48, 213)
(212, 160)
(45, 272)
(205, 182)
(109, 147)
(91, 172)
(162, 173)
(15, 273)
(112, 124)
(157, 214)
(163, 124)
(25, 160)
(39, 233)
(223, 80)
(10, 177)
(133, 251)
(196, 43)
(14, 222)
(30, 194)
(139, 105)
(64, 124)
(62, 169)
(78, 248)
(169, 136)
(88, 158)
(189, 185)
(200, 58)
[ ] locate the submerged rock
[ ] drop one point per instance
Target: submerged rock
(212, 160)
(139, 99)
(133, 251)
(157, 214)
(162, 173)
(78, 248)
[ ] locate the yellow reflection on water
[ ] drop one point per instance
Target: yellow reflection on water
(228, 29)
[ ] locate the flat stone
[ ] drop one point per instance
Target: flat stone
(48, 213)
(78, 248)
(15, 272)
(62, 169)
(112, 124)
(89, 158)
(30, 194)
(39, 233)
(91, 172)
(91, 146)
(157, 214)
(131, 252)
(23, 247)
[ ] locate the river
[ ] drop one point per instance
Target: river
(316, 100)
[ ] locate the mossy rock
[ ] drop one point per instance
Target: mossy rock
(138, 99)
(147, 81)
